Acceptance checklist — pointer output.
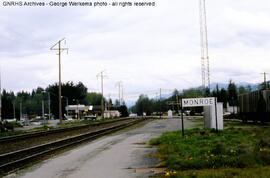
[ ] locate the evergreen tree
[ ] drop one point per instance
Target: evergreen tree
(7, 104)
(232, 94)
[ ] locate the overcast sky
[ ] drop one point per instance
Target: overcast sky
(147, 48)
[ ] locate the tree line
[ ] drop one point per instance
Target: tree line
(155, 106)
(30, 103)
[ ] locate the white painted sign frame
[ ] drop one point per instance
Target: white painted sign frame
(197, 102)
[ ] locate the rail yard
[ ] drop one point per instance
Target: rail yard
(17, 151)
(123, 154)
(134, 89)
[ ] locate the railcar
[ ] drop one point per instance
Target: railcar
(255, 106)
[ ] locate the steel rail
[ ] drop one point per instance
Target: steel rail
(43, 133)
(18, 159)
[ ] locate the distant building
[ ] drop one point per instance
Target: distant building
(82, 111)
(133, 115)
(78, 111)
(111, 114)
(231, 109)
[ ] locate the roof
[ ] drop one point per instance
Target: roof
(79, 107)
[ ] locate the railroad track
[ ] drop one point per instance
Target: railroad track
(49, 132)
(18, 159)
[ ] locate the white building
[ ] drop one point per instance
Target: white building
(231, 109)
(78, 110)
(111, 114)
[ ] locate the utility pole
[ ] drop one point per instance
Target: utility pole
(109, 103)
(49, 105)
(59, 50)
(178, 103)
(119, 85)
(43, 118)
(14, 111)
(204, 46)
(101, 75)
(160, 103)
(264, 79)
(20, 110)
(78, 111)
(67, 104)
(122, 93)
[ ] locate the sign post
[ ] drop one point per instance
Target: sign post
(182, 118)
(216, 114)
(210, 102)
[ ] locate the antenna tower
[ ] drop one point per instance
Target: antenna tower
(204, 46)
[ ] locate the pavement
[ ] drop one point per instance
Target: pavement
(121, 155)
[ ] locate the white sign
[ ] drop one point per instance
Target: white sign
(194, 102)
(90, 108)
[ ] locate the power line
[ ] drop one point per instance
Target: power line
(122, 93)
(119, 84)
(264, 79)
(59, 49)
(101, 75)
(160, 113)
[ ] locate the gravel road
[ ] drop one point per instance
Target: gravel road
(121, 155)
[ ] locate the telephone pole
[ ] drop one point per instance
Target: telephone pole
(178, 103)
(160, 103)
(49, 105)
(42, 108)
(20, 111)
(57, 47)
(109, 102)
(264, 79)
(14, 110)
(122, 92)
(101, 75)
(119, 85)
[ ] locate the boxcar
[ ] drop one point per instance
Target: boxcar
(255, 106)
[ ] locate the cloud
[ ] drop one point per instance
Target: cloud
(146, 48)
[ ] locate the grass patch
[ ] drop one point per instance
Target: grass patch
(9, 133)
(41, 128)
(260, 172)
(243, 146)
